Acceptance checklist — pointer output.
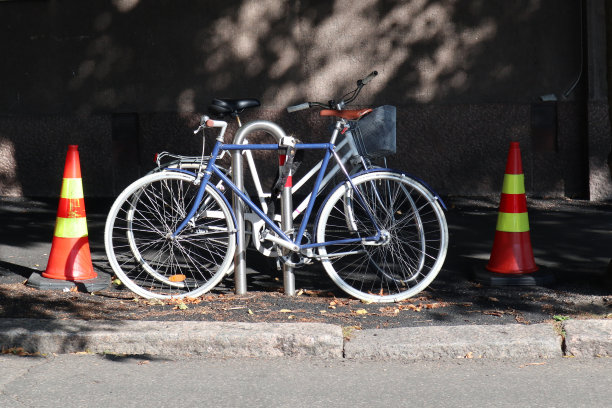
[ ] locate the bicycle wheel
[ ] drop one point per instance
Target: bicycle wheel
(142, 252)
(413, 244)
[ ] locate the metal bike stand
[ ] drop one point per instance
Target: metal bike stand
(240, 284)
(287, 225)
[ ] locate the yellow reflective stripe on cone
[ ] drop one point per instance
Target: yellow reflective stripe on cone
(512, 222)
(71, 227)
(514, 184)
(72, 188)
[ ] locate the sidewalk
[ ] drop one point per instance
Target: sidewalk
(456, 317)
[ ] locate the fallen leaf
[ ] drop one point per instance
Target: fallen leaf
(250, 312)
(493, 313)
(18, 351)
(521, 319)
(361, 311)
(177, 278)
(318, 293)
(531, 364)
(285, 311)
(435, 305)
(411, 307)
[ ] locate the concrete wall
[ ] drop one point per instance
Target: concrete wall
(126, 78)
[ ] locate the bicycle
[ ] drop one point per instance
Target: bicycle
(354, 155)
(381, 235)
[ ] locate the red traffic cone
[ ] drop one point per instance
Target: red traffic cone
(512, 252)
(70, 257)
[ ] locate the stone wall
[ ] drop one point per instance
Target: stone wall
(124, 79)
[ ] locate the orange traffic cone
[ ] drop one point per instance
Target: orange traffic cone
(512, 252)
(70, 257)
(511, 260)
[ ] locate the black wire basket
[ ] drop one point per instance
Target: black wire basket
(375, 134)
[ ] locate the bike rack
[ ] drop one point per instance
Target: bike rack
(240, 286)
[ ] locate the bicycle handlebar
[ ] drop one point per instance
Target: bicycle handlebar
(296, 108)
(368, 78)
(354, 93)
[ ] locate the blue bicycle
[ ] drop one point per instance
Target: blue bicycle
(381, 235)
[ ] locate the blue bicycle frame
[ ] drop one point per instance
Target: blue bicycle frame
(329, 148)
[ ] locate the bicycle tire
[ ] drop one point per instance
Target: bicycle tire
(415, 235)
(138, 240)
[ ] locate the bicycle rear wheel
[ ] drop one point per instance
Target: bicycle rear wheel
(139, 243)
(413, 244)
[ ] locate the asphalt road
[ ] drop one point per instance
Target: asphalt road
(114, 381)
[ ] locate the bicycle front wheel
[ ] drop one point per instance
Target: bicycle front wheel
(139, 243)
(413, 237)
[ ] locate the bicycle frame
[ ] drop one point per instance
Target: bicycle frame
(282, 239)
(346, 142)
(346, 147)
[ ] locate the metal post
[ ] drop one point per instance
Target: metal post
(287, 227)
(240, 284)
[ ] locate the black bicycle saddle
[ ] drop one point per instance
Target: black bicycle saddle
(232, 106)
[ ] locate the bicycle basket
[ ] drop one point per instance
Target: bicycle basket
(375, 134)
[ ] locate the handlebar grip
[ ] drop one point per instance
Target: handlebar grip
(215, 123)
(296, 108)
(369, 77)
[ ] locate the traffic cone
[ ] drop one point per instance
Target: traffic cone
(70, 257)
(511, 260)
(69, 265)
(512, 252)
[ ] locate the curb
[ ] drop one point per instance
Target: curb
(178, 338)
(433, 343)
(583, 338)
(588, 338)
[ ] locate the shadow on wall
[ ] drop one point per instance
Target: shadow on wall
(99, 57)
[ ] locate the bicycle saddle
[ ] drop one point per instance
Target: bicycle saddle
(348, 114)
(232, 106)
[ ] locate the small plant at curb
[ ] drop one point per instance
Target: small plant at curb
(347, 331)
(559, 318)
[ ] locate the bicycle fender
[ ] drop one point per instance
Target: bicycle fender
(403, 173)
(177, 170)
